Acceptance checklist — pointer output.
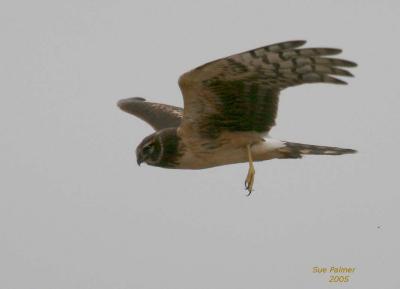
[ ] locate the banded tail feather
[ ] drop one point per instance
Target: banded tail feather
(297, 150)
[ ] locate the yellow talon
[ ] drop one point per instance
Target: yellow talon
(250, 175)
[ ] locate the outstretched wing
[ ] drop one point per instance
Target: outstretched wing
(240, 93)
(157, 115)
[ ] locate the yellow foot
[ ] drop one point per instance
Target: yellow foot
(250, 179)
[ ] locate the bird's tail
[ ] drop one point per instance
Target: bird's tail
(293, 150)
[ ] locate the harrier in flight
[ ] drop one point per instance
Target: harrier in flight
(230, 105)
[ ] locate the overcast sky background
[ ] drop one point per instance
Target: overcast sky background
(77, 212)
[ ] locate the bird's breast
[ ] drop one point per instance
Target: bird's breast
(226, 150)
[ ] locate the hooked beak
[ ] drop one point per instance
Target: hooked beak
(139, 159)
(139, 156)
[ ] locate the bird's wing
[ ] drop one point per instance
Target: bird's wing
(240, 93)
(158, 115)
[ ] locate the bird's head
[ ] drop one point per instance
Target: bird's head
(159, 149)
(149, 150)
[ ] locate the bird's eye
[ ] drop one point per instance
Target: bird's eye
(148, 149)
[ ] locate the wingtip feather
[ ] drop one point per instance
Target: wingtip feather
(292, 44)
(123, 103)
(334, 80)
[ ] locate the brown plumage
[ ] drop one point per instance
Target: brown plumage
(231, 104)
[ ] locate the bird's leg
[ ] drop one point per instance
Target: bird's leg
(250, 175)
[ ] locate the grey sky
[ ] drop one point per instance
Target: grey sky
(77, 212)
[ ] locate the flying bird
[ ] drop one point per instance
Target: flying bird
(230, 105)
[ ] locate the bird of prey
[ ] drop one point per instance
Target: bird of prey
(230, 105)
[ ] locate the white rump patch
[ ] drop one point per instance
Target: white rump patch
(265, 150)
